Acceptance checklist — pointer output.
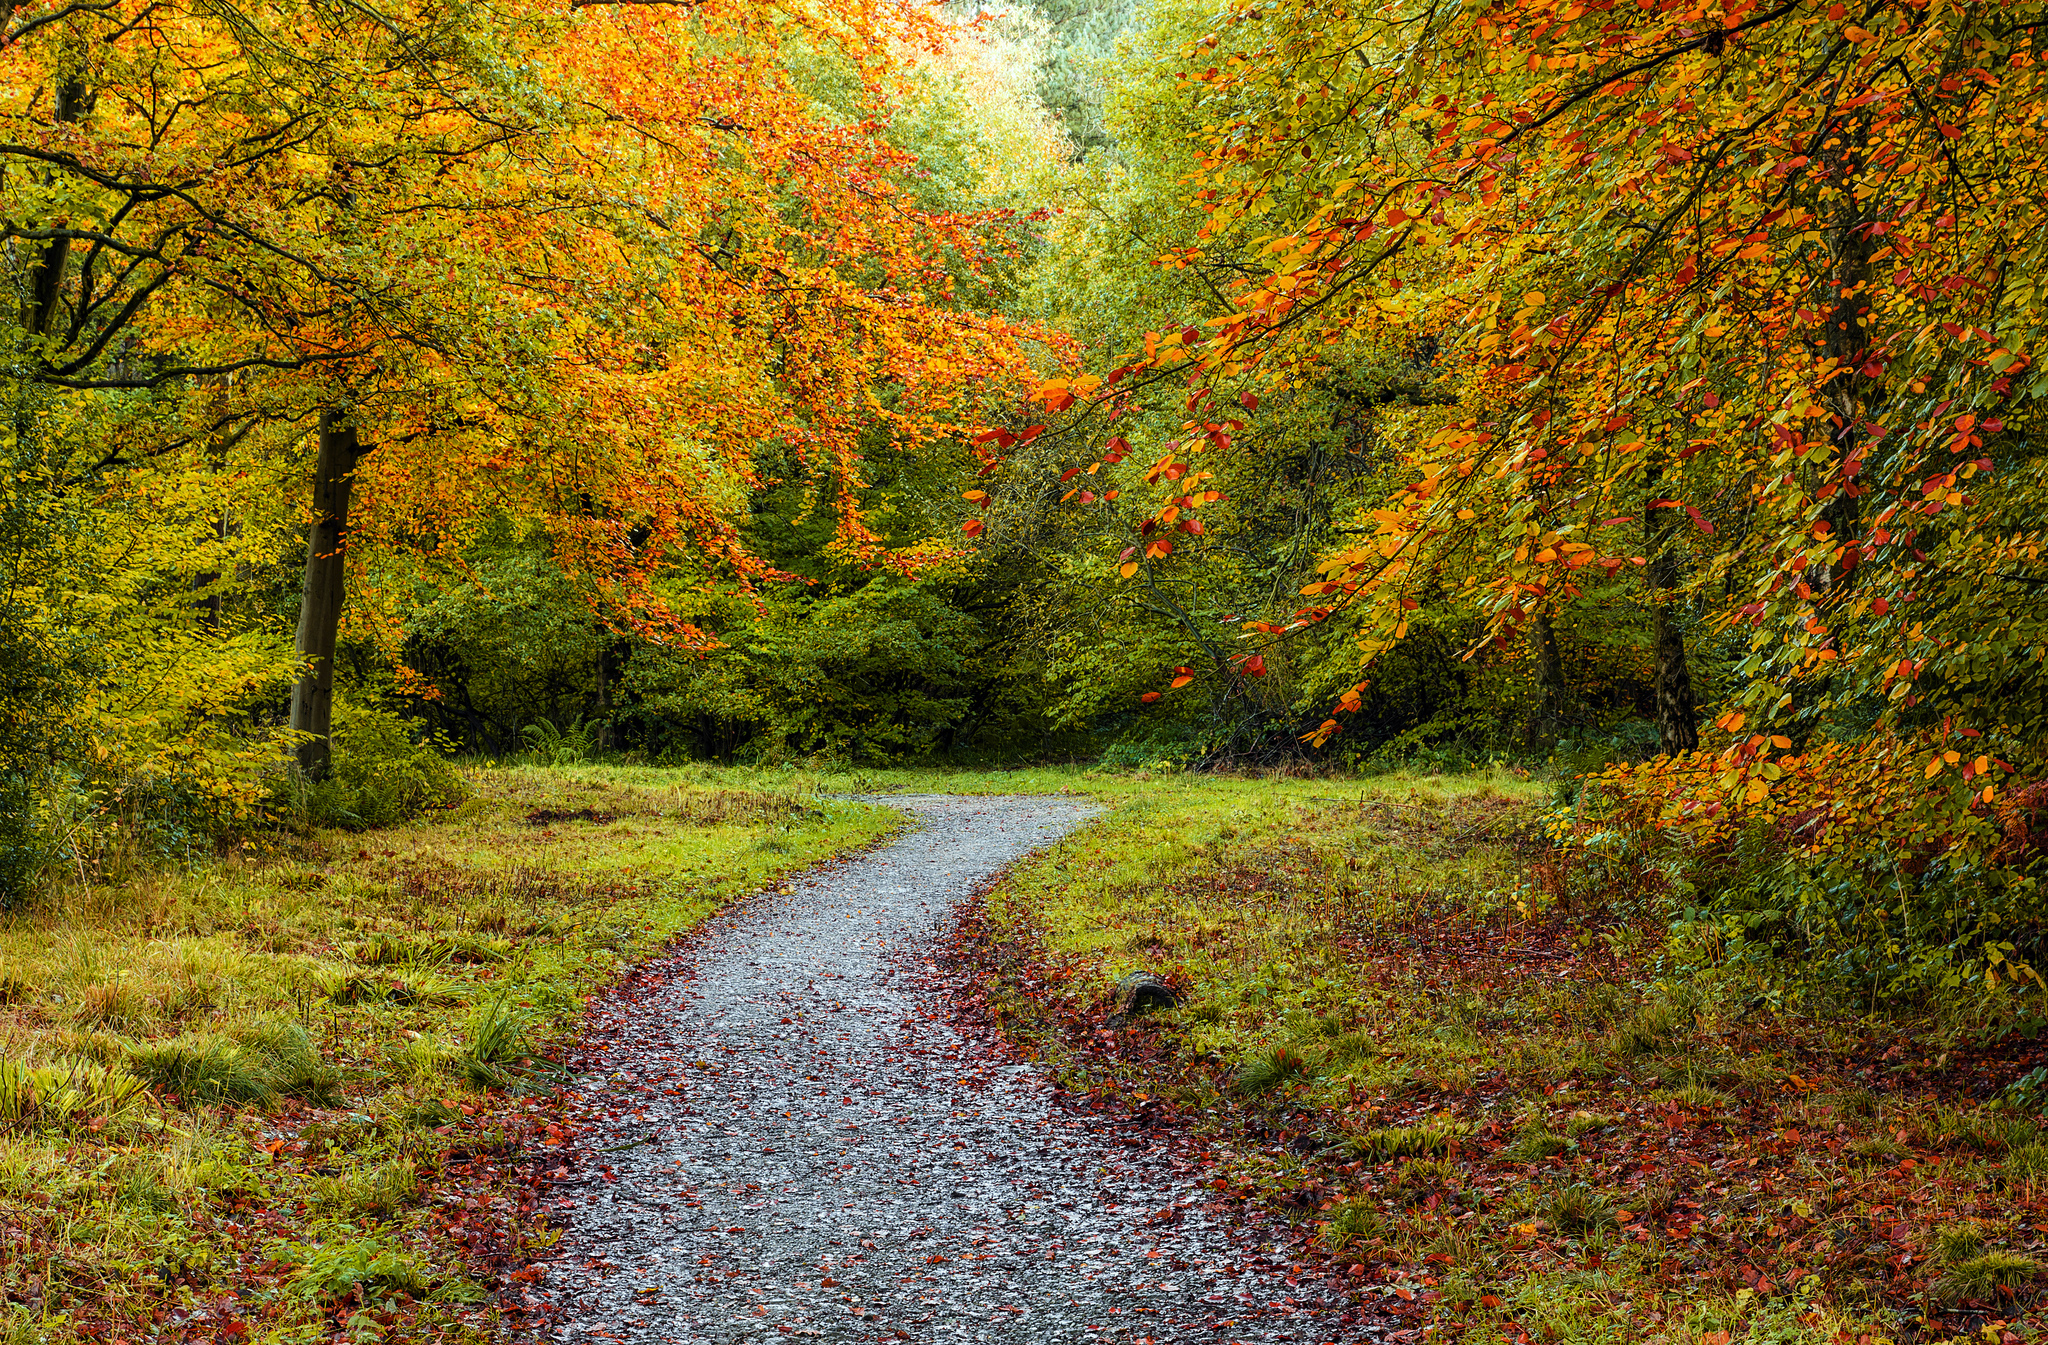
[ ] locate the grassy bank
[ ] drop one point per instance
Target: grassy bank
(1511, 1113)
(275, 1096)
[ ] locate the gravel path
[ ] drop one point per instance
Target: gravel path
(799, 1143)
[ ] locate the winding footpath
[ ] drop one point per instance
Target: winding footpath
(797, 1142)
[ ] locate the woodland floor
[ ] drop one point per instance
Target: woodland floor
(792, 1128)
(350, 1088)
(1504, 1121)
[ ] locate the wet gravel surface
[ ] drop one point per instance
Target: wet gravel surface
(797, 1138)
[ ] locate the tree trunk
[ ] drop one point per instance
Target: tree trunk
(1678, 728)
(608, 661)
(1550, 701)
(46, 273)
(1845, 342)
(207, 584)
(321, 598)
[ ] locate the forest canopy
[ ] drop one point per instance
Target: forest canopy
(1637, 391)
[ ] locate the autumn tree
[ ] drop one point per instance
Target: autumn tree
(570, 265)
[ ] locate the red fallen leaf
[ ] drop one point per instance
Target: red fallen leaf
(1404, 1293)
(1149, 697)
(829, 1283)
(972, 527)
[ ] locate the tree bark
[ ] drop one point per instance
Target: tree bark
(608, 661)
(207, 584)
(1678, 728)
(1550, 702)
(46, 273)
(321, 597)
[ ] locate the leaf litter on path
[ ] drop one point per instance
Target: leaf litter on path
(790, 1133)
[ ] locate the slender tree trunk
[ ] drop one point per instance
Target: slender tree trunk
(207, 584)
(1845, 341)
(1678, 727)
(46, 273)
(608, 661)
(320, 600)
(1550, 698)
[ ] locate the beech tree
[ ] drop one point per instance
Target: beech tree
(1734, 299)
(571, 264)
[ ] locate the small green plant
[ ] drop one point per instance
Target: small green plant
(1536, 1141)
(1658, 1024)
(497, 1039)
(2026, 1162)
(1432, 1139)
(1879, 1149)
(387, 950)
(330, 1270)
(381, 1191)
(64, 1098)
(1268, 1069)
(1985, 1276)
(1351, 1223)
(1418, 1178)
(1351, 1046)
(1578, 1210)
(202, 1068)
(1697, 1095)
(352, 988)
(1956, 1243)
(253, 1065)
(548, 744)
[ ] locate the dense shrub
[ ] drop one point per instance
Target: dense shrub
(381, 775)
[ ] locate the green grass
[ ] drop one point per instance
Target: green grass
(266, 1059)
(1564, 1113)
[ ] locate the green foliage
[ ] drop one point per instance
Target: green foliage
(1985, 1276)
(375, 1265)
(380, 1190)
(62, 1098)
(1432, 1139)
(380, 777)
(497, 1039)
(1536, 1141)
(254, 1064)
(550, 745)
(1352, 1222)
(1268, 1069)
(1578, 1209)
(46, 662)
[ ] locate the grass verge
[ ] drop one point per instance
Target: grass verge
(1508, 1118)
(280, 1096)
